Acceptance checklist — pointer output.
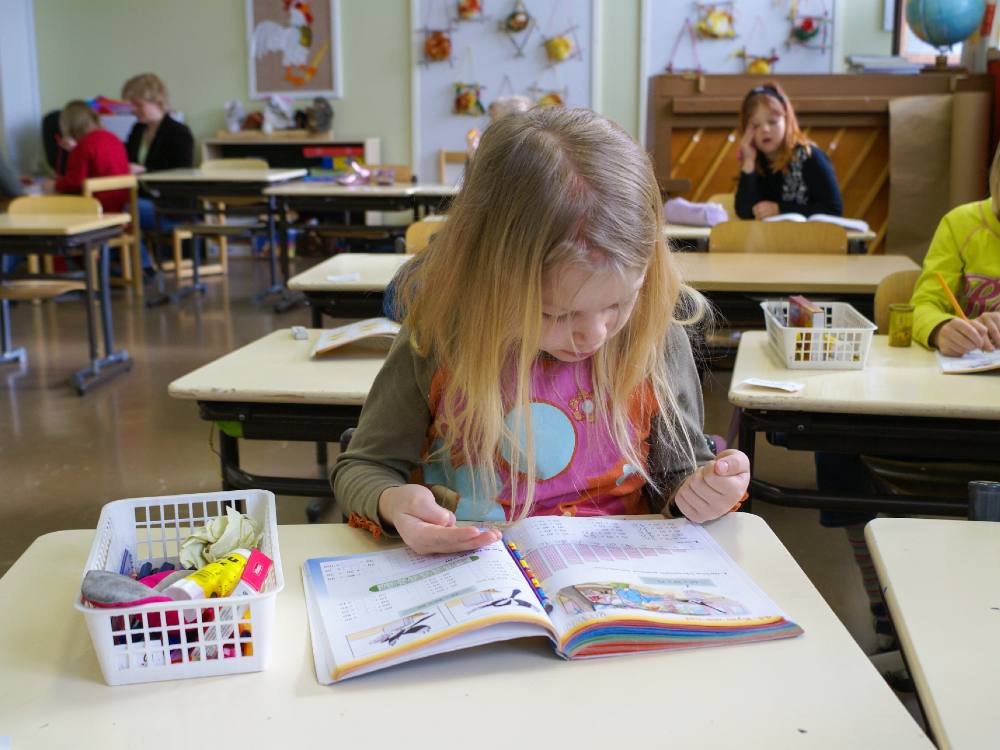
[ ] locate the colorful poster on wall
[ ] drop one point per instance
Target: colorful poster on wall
(294, 48)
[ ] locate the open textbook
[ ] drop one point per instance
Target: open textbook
(372, 333)
(851, 225)
(975, 361)
(593, 586)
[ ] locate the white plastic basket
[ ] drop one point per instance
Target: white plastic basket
(842, 345)
(153, 642)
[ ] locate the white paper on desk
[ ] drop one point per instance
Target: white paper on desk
(779, 385)
(973, 361)
(344, 277)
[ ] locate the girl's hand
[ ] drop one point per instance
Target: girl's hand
(764, 209)
(134, 168)
(957, 336)
(714, 488)
(427, 527)
(748, 154)
(991, 320)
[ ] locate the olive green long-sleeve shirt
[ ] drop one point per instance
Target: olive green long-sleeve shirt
(391, 434)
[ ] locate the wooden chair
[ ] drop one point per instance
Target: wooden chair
(446, 157)
(30, 289)
(419, 233)
(129, 243)
(216, 227)
(728, 202)
(896, 288)
(778, 237)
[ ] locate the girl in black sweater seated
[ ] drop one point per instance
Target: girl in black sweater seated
(781, 171)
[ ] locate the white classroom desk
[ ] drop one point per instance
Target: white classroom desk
(899, 405)
(941, 581)
(815, 691)
(700, 234)
(210, 176)
(271, 389)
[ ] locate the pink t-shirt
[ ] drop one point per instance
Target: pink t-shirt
(579, 469)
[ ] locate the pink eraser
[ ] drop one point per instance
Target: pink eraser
(256, 570)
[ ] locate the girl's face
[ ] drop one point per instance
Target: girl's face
(583, 309)
(767, 123)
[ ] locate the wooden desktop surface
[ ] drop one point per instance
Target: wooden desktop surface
(353, 272)
(789, 273)
(685, 232)
(332, 189)
(815, 691)
(277, 369)
(223, 175)
(942, 584)
(895, 381)
(58, 224)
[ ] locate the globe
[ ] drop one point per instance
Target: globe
(943, 23)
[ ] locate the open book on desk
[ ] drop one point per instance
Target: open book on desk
(374, 333)
(975, 361)
(593, 586)
(851, 225)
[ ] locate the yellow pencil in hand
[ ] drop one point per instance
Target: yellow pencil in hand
(954, 302)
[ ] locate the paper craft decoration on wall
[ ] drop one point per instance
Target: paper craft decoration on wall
(687, 30)
(468, 100)
(562, 46)
(437, 45)
(756, 64)
(469, 10)
(518, 26)
(715, 20)
(809, 31)
(549, 96)
(294, 48)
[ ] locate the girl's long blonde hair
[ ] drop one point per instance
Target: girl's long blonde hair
(547, 189)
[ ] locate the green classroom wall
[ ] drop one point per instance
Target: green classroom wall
(199, 49)
(89, 47)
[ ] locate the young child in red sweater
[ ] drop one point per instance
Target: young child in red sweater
(93, 152)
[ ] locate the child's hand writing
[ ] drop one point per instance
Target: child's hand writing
(714, 488)
(957, 336)
(425, 526)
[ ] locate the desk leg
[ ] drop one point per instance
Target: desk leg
(229, 457)
(161, 297)
(7, 354)
(113, 362)
(287, 299)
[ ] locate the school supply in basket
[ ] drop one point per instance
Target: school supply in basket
(593, 586)
(377, 333)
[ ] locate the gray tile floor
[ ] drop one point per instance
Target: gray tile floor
(62, 457)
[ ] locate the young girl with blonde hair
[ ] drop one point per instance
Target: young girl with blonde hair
(781, 171)
(543, 366)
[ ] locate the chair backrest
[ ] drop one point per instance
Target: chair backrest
(419, 233)
(403, 173)
(728, 202)
(778, 237)
(209, 165)
(446, 157)
(896, 288)
(94, 185)
(55, 204)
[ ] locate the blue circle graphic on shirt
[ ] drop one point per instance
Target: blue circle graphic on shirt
(474, 500)
(555, 439)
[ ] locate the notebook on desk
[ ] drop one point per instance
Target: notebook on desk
(374, 333)
(975, 361)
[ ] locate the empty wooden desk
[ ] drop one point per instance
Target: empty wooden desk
(900, 405)
(272, 390)
(349, 285)
(941, 581)
(58, 234)
(815, 691)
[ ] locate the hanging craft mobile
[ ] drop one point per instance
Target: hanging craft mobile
(756, 64)
(518, 26)
(468, 100)
(809, 31)
(554, 96)
(563, 46)
(469, 10)
(715, 20)
(437, 45)
(686, 30)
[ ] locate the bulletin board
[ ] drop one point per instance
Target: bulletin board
(483, 52)
(749, 36)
